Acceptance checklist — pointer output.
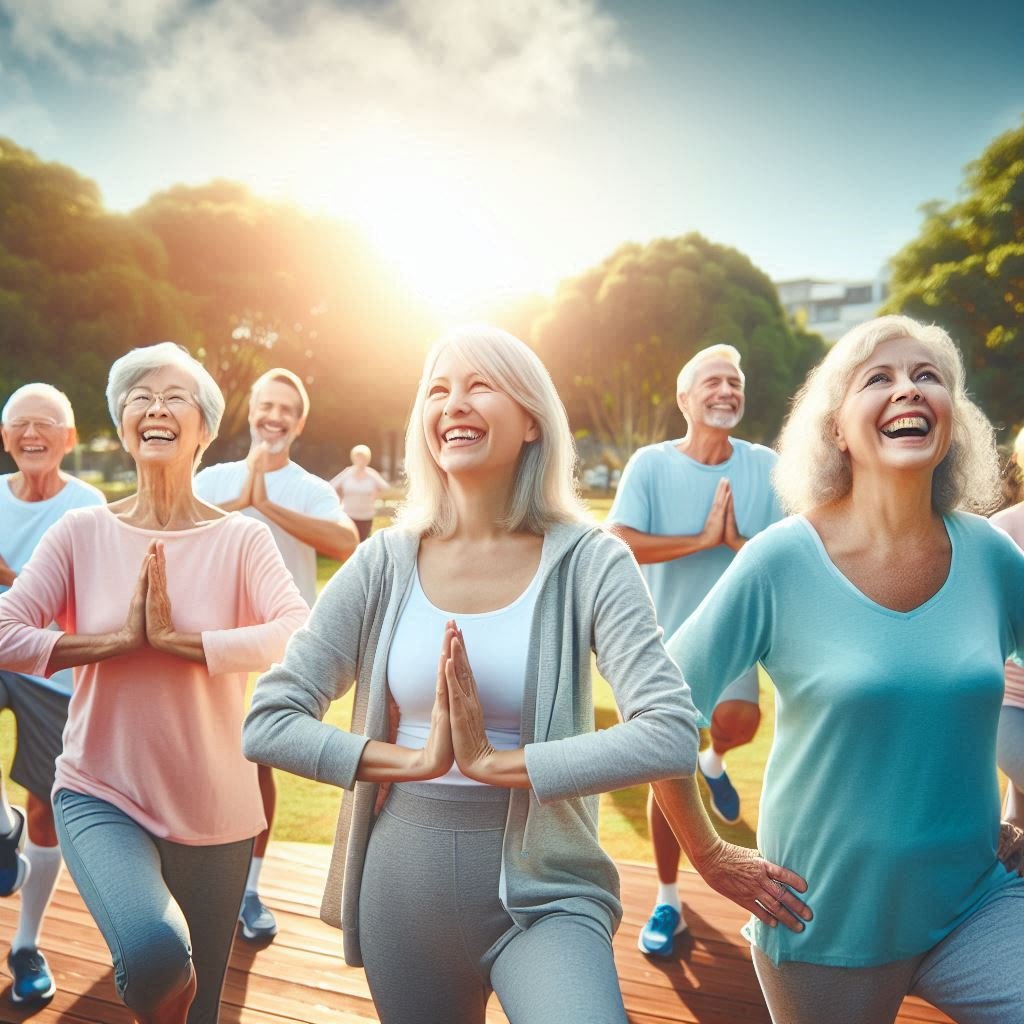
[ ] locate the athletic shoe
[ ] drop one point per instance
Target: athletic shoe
(14, 867)
(665, 924)
(33, 981)
(725, 801)
(258, 923)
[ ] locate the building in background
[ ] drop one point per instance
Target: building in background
(831, 308)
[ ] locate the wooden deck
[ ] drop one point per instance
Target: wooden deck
(300, 977)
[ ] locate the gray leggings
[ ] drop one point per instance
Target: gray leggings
(158, 904)
(1010, 745)
(436, 940)
(974, 974)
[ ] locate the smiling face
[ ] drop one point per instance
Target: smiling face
(35, 434)
(897, 413)
(469, 424)
(161, 423)
(715, 398)
(275, 416)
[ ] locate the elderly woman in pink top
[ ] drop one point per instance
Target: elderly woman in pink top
(1010, 745)
(359, 486)
(165, 605)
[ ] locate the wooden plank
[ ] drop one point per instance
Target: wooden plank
(300, 978)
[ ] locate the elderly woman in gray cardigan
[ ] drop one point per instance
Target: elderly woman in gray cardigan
(467, 858)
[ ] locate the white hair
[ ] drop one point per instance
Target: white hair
(283, 376)
(133, 366)
(544, 490)
(361, 449)
(686, 375)
(811, 469)
(40, 390)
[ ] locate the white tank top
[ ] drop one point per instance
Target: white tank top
(497, 644)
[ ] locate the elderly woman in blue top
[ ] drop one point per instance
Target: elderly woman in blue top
(883, 611)
(483, 870)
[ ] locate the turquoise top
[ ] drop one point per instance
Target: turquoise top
(665, 492)
(881, 786)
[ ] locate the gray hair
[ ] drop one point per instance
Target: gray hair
(40, 390)
(544, 491)
(811, 469)
(279, 373)
(133, 366)
(685, 379)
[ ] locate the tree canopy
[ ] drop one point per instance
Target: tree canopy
(965, 270)
(616, 336)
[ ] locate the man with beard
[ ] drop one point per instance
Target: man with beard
(305, 516)
(685, 507)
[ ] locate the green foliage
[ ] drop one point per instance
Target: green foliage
(616, 337)
(965, 270)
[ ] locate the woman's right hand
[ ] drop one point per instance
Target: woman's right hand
(438, 755)
(132, 635)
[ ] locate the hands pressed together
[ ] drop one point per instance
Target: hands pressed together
(720, 525)
(148, 623)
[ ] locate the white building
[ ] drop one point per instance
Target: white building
(831, 308)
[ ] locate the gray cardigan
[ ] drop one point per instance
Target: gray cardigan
(592, 597)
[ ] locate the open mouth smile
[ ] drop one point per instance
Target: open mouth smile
(158, 434)
(907, 426)
(456, 435)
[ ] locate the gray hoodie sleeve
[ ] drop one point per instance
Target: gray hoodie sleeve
(657, 738)
(284, 727)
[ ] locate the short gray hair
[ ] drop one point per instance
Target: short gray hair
(544, 490)
(40, 390)
(293, 380)
(133, 366)
(685, 379)
(811, 469)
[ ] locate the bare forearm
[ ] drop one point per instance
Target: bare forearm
(334, 539)
(653, 547)
(504, 768)
(680, 802)
(237, 505)
(183, 645)
(7, 576)
(74, 649)
(389, 762)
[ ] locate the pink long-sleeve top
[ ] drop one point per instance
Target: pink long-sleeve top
(157, 735)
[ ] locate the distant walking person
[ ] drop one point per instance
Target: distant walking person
(1010, 748)
(305, 517)
(686, 507)
(482, 870)
(165, 604)
(38, 431)
(359, 486)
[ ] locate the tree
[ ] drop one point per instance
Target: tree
(965, 270)
(616, 336)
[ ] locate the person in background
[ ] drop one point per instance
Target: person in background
(883, 611)
(359, 486)
(1010, 747)
(305, 517)
(164, 605)
(685, 507)
(38, 431)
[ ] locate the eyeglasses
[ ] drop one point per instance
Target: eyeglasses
(43, 424)
(173, 399)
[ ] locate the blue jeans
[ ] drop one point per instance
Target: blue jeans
(160, 905)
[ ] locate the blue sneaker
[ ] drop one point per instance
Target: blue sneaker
(13, 865)
(725, 801)
(33, 981)
(665, 924)
(258, 924)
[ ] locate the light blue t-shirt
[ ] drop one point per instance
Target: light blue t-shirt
(22, 525)
(665, 492)
(881, 787)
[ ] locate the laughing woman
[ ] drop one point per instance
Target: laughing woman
(166, 604)
(883, 613)
(477, 615)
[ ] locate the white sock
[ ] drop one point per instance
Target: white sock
(253, 883)
(711, 764)
(36, 893)
(8, 821)
(668, 893)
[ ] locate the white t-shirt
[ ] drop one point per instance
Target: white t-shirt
(359, 494)
(292, 488)
(22, 525)
(497, 644)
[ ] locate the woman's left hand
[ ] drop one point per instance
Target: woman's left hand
(757, 885)
(473, 751)
(159, 628)
(1011, 847)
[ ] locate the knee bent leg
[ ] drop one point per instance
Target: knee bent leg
(154, 970)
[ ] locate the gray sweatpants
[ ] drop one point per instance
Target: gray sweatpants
(436, 940)
(974, 974)
(157, 903)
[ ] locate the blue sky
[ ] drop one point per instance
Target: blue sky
(491, 149)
